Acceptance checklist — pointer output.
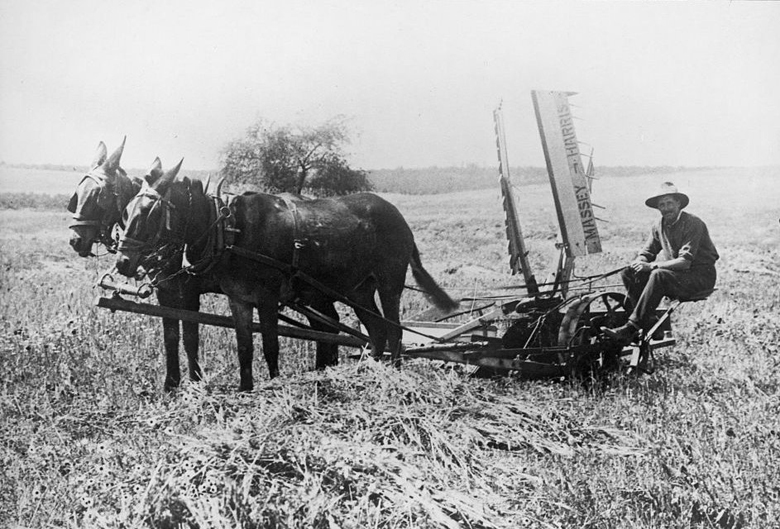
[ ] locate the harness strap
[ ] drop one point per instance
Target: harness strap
(226, 229)
(297, 242)
(128, 243)
(322, 288)
(79, 222)
(102, 182)
(221, 234)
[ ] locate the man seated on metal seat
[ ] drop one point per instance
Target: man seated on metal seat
(678, 261)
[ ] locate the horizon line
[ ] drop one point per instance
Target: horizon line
(80, 167)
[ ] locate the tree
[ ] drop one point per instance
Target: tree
(335, 177)
(294, 159)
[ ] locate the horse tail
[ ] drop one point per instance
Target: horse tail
(436, 294)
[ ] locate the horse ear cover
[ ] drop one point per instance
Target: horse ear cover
(100, 156)
(73, 204)
(155, 172)
(112, 163)
(165, 180)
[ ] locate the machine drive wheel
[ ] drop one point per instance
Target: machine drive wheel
(582, 326)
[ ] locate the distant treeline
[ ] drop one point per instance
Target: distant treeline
(33, 200)
(425, 181)
(436, 180)
(83, 169)
(46, 166)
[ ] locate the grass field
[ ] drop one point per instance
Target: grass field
(88, 438)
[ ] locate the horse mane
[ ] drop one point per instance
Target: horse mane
(137, 182)
(195, 185)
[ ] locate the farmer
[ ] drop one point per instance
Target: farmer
(678, 260)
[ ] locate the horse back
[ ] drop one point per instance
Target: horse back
(340, 238)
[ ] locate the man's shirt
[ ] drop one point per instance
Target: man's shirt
(688, 237)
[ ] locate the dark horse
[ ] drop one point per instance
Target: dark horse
(356, 246)
(99, 201)
(97, 206)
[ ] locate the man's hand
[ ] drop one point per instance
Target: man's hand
(641, 266)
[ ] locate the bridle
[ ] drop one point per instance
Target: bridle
(104, 224)
(164, 234)
(167, 242)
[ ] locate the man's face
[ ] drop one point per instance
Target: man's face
(669, 207)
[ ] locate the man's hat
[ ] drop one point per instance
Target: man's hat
(668, 188)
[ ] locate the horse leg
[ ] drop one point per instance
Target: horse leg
(268, 310)
(368, 313)
(327, 353)
(167, 298)
(191, 332)
(242, 318)
(171, 341)
(391, 307)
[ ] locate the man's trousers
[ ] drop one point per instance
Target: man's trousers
(646, 289)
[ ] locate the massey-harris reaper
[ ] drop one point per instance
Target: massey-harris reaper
(555, 329)
(551, 331)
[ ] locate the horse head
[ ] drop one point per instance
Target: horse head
(98, 201)
(155, 221)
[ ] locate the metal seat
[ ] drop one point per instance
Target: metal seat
(642, 352)
(676, 302)
(697, 296)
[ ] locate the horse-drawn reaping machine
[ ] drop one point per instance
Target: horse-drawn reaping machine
(549, 332)
(554, 330)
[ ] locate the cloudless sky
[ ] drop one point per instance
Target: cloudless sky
(659, 83)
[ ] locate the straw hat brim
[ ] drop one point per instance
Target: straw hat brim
(652, 202)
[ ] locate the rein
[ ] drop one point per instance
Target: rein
(220, 235)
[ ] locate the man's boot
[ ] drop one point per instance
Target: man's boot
(623, 334)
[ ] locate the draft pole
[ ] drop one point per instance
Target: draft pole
(518, 255)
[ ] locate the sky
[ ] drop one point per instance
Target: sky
(658, 83)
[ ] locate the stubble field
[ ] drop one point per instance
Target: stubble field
(88, 438)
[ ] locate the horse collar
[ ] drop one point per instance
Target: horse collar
(220, 235)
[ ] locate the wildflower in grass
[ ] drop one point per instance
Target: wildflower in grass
(188, 465)
(151, 422)
(209, 488)
(102, 468)
(87, 501)
(104, 448)
(242, 423)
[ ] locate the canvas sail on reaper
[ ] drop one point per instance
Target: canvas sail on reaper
(568, 178)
